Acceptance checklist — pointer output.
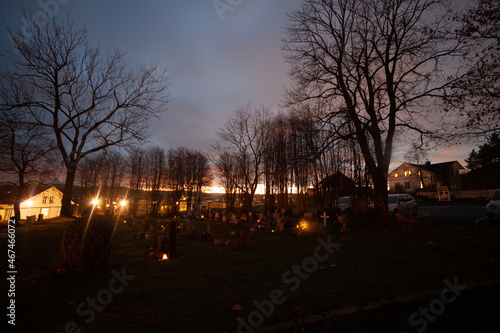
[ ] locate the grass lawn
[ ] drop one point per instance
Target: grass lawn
(207, 287)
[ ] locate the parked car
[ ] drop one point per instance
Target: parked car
(402, 204)
(493, 207)
(344, 205)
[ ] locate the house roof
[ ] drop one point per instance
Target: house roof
(337, 179)
(8, 193)
(436, 168)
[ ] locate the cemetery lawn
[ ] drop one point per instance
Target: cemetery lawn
(208, 287)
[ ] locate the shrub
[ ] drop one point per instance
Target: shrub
(87, 253)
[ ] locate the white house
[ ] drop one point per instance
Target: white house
(39, 200)
(409, 177)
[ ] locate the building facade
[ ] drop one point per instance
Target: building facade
(409, 177)
(39, 200)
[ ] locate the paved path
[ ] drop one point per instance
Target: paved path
(459, 214)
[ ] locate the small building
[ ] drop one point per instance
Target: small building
(37, 200)
(334, 186)
(409, 177)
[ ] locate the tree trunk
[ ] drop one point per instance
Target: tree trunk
(380, 192)
(17, 204)
(68, 192)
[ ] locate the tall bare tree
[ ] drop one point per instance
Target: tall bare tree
(101, 177)
(155, 178)
(136, 173)
(226, 169)
(90, 101)
(176, 180)
(197, 176)
(244, 134)
(377, 64)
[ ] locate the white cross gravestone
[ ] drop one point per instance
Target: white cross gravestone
(324, 218)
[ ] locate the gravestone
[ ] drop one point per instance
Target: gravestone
(324, 217)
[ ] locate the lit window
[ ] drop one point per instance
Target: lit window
(396, 175)
(407, 173)
(421, 184)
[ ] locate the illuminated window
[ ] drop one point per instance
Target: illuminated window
(396, 175)
(407, 173)
(421, 184)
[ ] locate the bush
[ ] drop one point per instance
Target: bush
(87, 253)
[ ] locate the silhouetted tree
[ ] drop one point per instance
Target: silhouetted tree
(28, 154)
(89, 101)
(136, 173)
(376, 65)
(226, 169)
(244, 134)
(176, 179)
(101, 177)
(155, 166)
(487, 155)
(476, 94)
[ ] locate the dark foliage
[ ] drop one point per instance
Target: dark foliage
(86, 243)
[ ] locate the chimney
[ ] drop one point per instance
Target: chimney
(428, 163)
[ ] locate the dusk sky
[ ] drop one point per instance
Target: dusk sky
(217, 61)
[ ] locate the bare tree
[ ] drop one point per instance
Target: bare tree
(176, 179)
(101, 178)
(377, 65)
(136, 173)
(89, 101)
(28, 154)
(244, 134)
(155, 178)
(197, 176)
(476, 93)
(226, 169)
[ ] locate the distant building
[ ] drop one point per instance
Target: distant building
(409, 177)
(37, 200)
(332, 187)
